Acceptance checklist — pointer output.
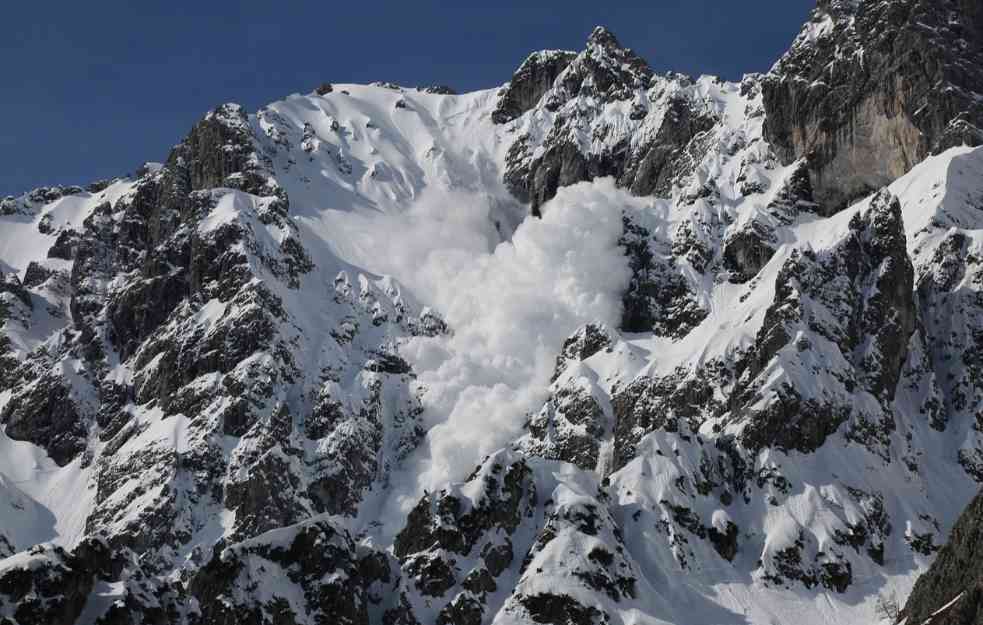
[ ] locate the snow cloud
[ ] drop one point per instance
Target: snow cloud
(510, 306)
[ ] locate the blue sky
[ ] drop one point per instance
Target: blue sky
(92, 89)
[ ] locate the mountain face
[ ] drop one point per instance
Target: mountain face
(598, 346)
(949, 592)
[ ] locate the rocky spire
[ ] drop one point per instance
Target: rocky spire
(533, 78)
(601, 36)
(838, 8)
(604, 68)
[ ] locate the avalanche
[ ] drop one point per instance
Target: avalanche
(324, 365)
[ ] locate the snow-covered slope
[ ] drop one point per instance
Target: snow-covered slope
(252, 383)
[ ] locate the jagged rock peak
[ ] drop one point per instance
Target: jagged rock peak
(582, 101)
(838, 8)
(533, 79)
(604, 69)
(231, 113)
(603, 37)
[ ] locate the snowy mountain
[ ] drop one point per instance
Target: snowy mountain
(597, 346)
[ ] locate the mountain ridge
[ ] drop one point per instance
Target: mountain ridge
(253, 383)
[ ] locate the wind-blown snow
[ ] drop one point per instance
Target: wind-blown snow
(510, 306)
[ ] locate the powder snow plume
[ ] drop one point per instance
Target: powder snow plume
(510, 306)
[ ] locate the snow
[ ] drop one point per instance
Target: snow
(25, 522)
(102, 597)
(940, 192)
(52, 502)
(367, 154)
(437, 219)
(403, 207)
(510, 310)
(22, 241)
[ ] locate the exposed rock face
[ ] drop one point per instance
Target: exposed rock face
(44, 413)
(447, 527)
(748, 248)
(56, 596)
(604, 77)
(951, 591)
(950, 291)
(859, 296)
(168, 308)
(533, 79)
(605, 70)
(674, 403)
(350, 439)
(869, 89)
(586, 342)
(438, 89)
(12, 286)
(315, 561)
(570, 427)
(607, 569)
(30, 202)
(491, 545)
(49, 586)
(44, 407)
(659, 298)
(219, 152)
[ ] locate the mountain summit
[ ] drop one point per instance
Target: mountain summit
(598, 346)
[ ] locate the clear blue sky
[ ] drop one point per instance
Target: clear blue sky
(92, 89)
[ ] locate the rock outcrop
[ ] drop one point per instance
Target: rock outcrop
(320, 572)
(530, 82)
(951, 591)
(869, 89)
(47, 585)
(574, 100)
(857, 296)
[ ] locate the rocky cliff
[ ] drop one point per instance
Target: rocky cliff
(949, 592)
(869, 89)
